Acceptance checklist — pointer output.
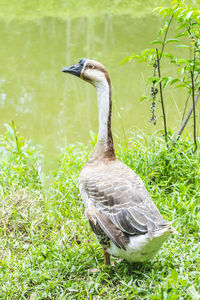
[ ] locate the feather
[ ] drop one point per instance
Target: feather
(122, 205)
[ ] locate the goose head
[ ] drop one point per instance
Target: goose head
(89, 70)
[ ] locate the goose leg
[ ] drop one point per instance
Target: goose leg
(106, 257)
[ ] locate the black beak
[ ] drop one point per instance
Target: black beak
(75, 69)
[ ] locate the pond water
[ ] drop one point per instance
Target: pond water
(54, 109)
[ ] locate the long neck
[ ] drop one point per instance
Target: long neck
(104, 147)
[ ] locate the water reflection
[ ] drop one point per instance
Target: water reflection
(52, 108)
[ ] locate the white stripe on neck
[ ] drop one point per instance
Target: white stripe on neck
(103, 107)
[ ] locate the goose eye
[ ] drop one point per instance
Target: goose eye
(91, 67)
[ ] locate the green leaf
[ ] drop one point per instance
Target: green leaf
(162, 11)
(174, 81)
(174, 2)
(156, 42)
(182, 85)
(189, 14)
(125, 60)
(158, 81)
(171, 41)
(174, 274)
(148, 51)
(157, 8)
(166, 80)
(182, 61)
(169, 55)
(183, 46)
(182, 25)
(155, 80)
(130, 58)
(143, 98)
(182, 34)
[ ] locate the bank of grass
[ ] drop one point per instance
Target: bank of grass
(47, 250)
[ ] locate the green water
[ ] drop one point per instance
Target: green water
(54, 109)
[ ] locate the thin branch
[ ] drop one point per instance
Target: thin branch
(193, 102)
(186, 102)
(166, 32)
(161, 96)
(193, 39)
(184, 123)
(185, 106)
(159, 71)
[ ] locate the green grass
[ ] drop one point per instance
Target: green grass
(47, 248)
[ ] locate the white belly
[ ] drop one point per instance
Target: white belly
(140, 248)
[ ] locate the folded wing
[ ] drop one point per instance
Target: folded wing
(122, 207)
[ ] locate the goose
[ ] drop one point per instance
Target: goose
(120, 211)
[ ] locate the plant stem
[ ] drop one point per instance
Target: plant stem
(16, 138)
(193, 39)
(166, 32)
(184, 123)
(186, 102)
(185, 106)
(159, 72)
(161, 96)
(193, 104)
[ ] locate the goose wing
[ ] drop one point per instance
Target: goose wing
(119, 204)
